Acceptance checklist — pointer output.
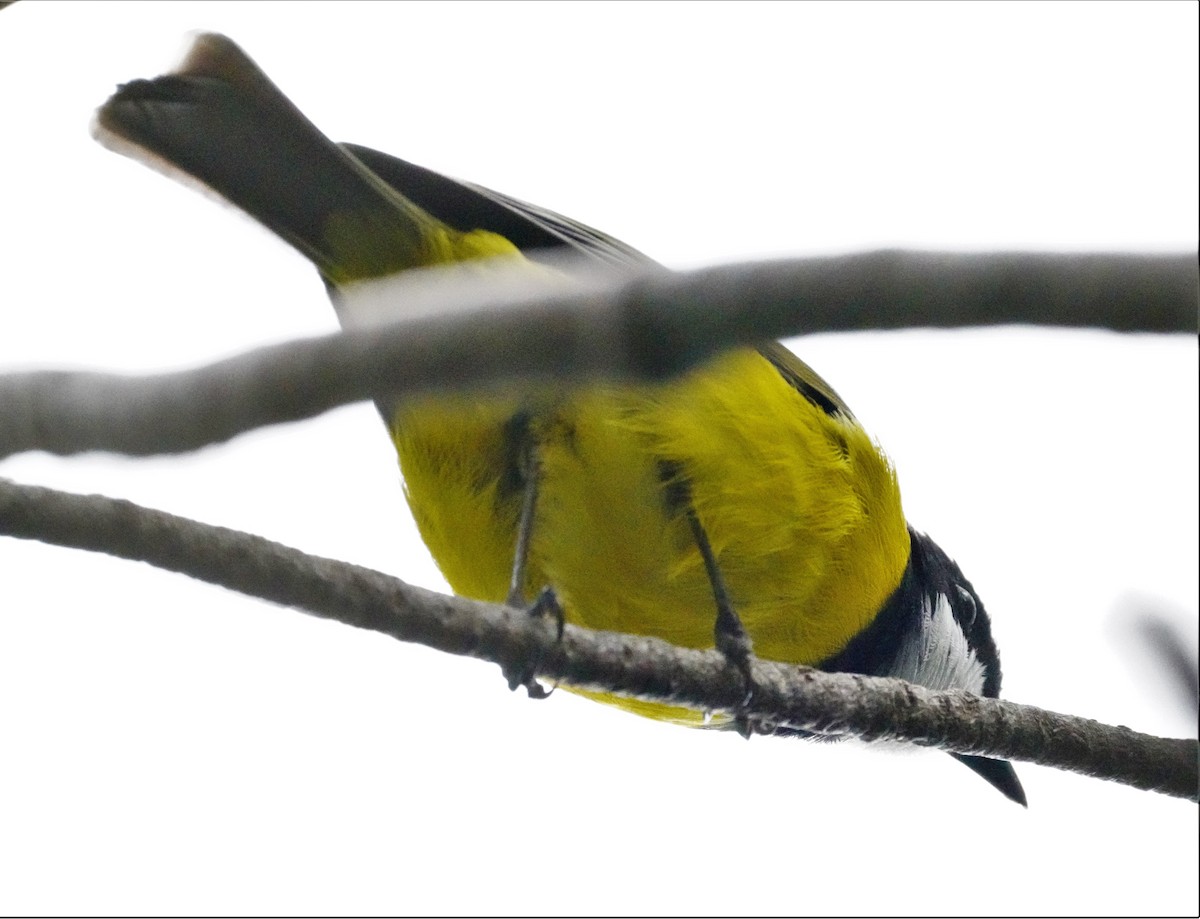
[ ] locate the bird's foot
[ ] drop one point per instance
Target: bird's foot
(525, 675)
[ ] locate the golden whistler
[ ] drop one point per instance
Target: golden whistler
(739, 504)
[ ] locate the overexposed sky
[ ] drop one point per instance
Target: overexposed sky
(170, 746)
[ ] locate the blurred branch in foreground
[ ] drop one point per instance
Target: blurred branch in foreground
(647, 326)
(647, 668)
(1168, 643)
(1164, 653)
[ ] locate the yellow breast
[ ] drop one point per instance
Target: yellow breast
(802, 510)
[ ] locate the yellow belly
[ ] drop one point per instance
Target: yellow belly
(801, 508)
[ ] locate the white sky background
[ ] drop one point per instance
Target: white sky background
(166, 745)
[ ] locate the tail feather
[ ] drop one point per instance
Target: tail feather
(219, 120)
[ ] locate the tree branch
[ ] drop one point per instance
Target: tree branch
(868, 707)
(647, 326)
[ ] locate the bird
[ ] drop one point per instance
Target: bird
(739, 504)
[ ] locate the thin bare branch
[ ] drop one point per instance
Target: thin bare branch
(648, 326)
(868, 707)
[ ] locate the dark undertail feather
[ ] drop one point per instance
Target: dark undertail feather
(195, 123)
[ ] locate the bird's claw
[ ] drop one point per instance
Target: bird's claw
(546, 604)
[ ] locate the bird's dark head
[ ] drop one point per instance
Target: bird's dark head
(935, 632)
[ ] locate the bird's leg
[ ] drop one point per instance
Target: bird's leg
(728, 632)
(529, 469)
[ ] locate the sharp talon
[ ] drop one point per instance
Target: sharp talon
(525, 678)
(741, 724)
(535, 690)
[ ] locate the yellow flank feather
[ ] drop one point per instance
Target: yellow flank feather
(801, 508)
(452, 451)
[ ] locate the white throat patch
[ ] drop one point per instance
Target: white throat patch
(936, 655)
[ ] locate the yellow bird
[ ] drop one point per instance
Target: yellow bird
(745, 483)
